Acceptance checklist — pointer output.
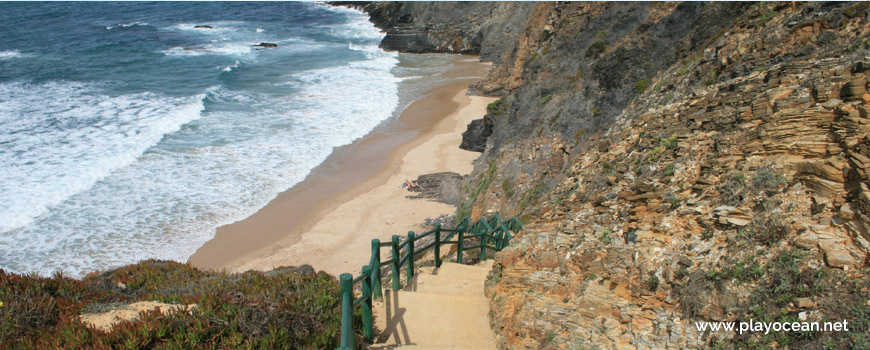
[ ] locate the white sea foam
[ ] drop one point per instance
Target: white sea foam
(8, 55)
(228, 48)
(131, 177)
(210, 28)
(126, 25)
(60, 138)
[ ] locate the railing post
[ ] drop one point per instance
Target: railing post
(367, 303)
(410, 255)
(376, 269)
(437, 245)
(460, 243)
(394, 251)
(483, 237)
(346, 282)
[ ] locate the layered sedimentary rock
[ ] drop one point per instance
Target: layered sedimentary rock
(674, 163)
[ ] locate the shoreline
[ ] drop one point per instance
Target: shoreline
(357, 189)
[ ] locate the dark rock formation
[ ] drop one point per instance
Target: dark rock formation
(266, 45)
(474, 138)
(441, 187)
(483, 28)
(203, 27)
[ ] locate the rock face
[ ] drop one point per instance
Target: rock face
(676, 162)
(483, 28)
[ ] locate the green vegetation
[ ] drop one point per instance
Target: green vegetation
(596, 111)
(664, 145)
(532, 196)
(508, 188)
(545, 99)
(641, 85)
(250, 310)
(578, 134)
(652, 283)
(482, 185)
(669, 170)
(768, 15)
(495, 107)
(827, 37)
(596, 48)
(605, 236)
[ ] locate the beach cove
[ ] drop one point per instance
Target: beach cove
(356, 195)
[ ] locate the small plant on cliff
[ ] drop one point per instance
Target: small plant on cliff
(768, 228)
(596, 48)
(605, 236)
(768, 15)
(494, 107)
(652, 283)
(545, 99)
(508, 188)
(641, 85)
(767, 180)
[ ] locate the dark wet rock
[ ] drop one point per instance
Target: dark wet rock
(266, 45)
(203, 27)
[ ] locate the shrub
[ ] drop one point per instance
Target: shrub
(494, 107)
(596, 48)
(652, 283)
(279, 309)
(768, 229)
(767, 180)
(641, 85)
(605, 236)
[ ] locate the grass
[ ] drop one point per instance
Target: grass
(249, 310)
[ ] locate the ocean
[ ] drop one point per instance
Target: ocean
(131, 131)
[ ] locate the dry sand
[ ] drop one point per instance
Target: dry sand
(340, 240)
(329, 220)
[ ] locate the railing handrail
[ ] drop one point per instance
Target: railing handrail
(370, 278)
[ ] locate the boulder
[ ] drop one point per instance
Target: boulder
(203, 27)
(266, 45)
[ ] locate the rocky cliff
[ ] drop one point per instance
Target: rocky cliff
(480, 28)
(674, 163)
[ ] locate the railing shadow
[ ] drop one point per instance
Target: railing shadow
(395, 326)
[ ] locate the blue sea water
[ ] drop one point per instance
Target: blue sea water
(127, 133)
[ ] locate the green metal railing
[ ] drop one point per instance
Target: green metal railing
(494, 234)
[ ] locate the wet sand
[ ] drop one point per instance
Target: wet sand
(328, 219)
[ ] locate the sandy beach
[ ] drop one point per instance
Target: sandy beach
(329, 219)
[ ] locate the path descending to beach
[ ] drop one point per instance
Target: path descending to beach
(442, 308)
